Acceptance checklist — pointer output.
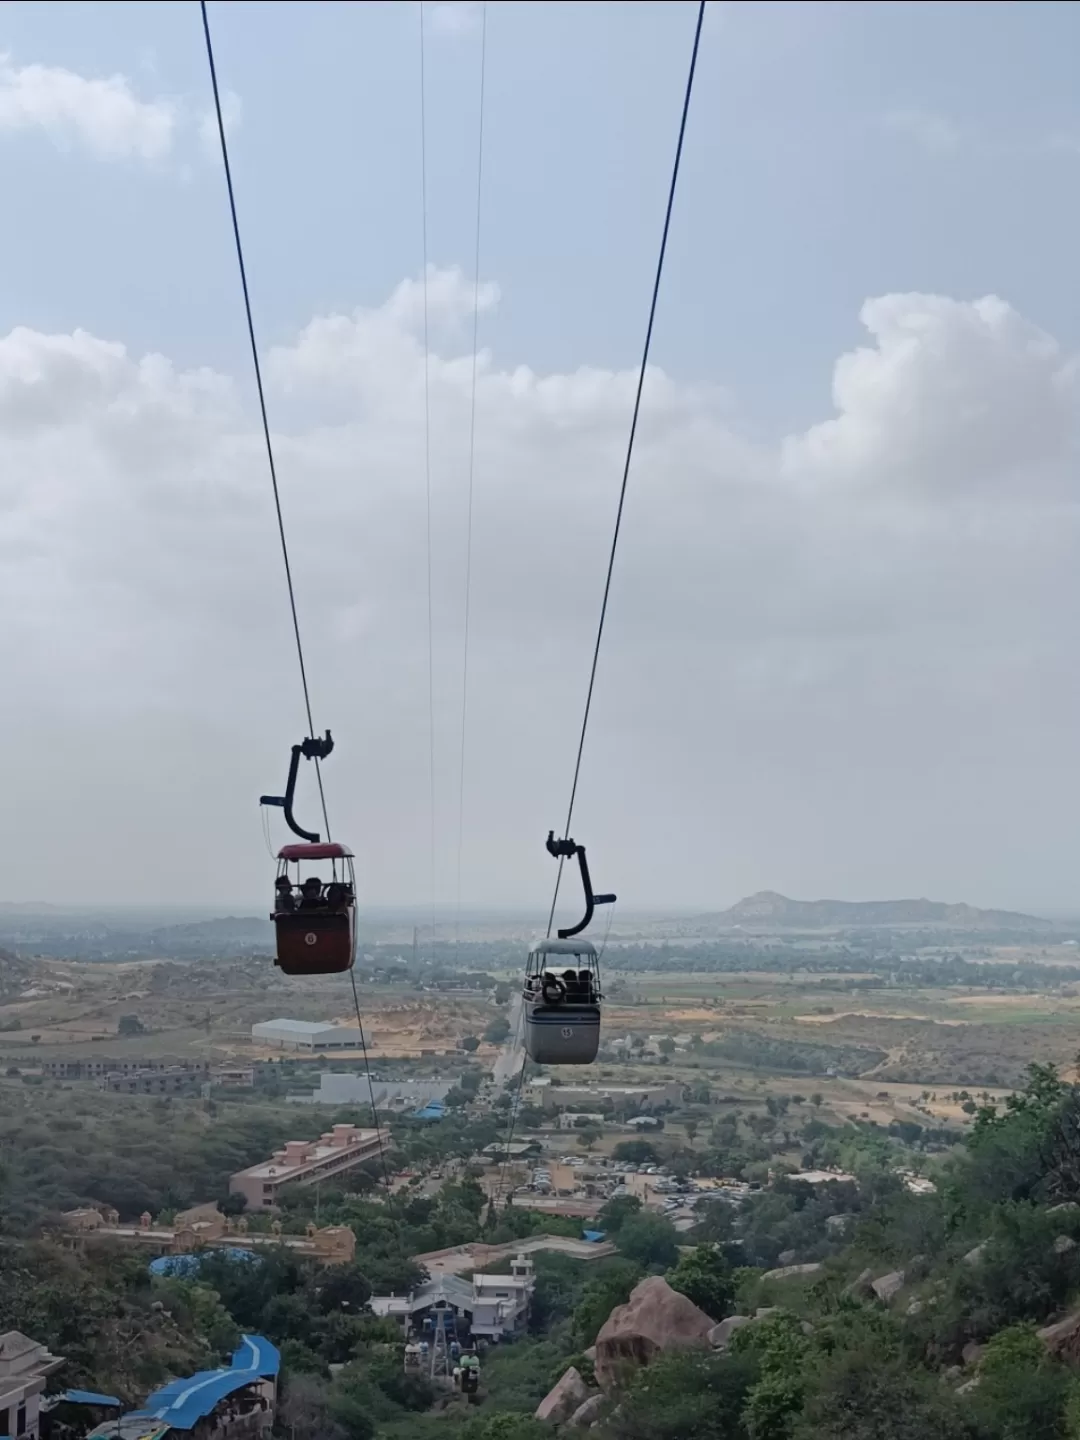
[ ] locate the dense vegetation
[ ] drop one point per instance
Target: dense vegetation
(977, 1266)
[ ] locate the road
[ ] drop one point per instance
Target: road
(509, 1062)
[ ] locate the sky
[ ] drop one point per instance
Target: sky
(841, 655)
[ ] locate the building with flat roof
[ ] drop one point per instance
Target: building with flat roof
(24, 1368)
(642, 1097)
(310, 1035)
(336, 1088)
(306, 1162)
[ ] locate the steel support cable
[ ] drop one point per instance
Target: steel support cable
(427, 476)
(472, 469)
(618, 525)
(375, 1118)
(262, 396)
(630, 443)
(281, 532)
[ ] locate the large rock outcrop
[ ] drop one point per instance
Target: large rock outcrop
(588, 1413)
(655, 1318)
(1063, 1338)
(564, 1398)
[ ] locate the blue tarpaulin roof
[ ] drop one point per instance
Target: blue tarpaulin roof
(433, 1110)
(593, 1236)
(182, 1403)
(85, 1397)
(189, 1264)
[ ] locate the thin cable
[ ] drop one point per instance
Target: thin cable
(427, 474)
(472, 467)
(500, 1184)
(262, 395)
(374, 1111)
(633, 434)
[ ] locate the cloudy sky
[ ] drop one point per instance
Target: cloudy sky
(842, 650)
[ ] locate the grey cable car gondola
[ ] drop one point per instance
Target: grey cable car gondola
(562, 996)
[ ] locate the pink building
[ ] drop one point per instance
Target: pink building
(306, 1162)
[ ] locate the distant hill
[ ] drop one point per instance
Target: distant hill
(769, 908)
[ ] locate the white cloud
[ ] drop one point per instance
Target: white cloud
(105, 115)
(936, 133)
(841, 662)
(454, 17)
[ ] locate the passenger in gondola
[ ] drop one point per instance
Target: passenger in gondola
(552, 988)
(311, 896)
(337, 896)
(284, 899)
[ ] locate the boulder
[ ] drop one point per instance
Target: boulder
(1063, 1338)
(861, 1288)
(720, 1335)
(655, 1318)
(973, 1257)
(915, 1307)
(590, 1353)
(564, 1398)
(971, 1353)
(1063, 1244)
(836, 1225)
(786, 1257)
(968, 1386)
(1063, 1205)
(785, 1272)
(588, 1412)
(886, 1287)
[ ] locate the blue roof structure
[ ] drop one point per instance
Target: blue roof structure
(183, 1403)
(85, 1397)
(188, 1265)
(433, 1110)
(593, 1236)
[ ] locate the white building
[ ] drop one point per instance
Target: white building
(340, 1089)
(495, 1307)
(313, 1036)
(24, 1367)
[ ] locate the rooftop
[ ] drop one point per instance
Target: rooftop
(299, 1155)
(183, 1403)
(298, 1027)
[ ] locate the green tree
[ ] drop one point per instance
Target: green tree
(648, 1240)
(1022, 1391)
(600, 1297)
(686, 1395)
(704, 1277)
(470, 1044)
(614, 1215)
(861, 1396)
(497, 1030)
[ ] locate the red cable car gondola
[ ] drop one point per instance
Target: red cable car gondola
(315, 918)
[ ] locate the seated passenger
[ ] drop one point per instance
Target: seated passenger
(552, 988)
(311, 896)
(337, 896)
(588, 986)
(284, 899)
(573, 989)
